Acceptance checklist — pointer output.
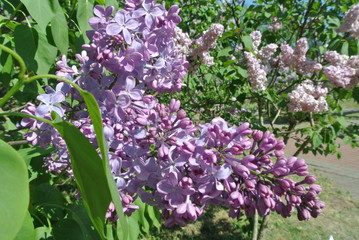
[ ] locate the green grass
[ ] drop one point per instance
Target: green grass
(340, 219)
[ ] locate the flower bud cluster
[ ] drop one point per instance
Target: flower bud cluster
(351, 22)
(156, 153)
(343, 71)
(308, 98)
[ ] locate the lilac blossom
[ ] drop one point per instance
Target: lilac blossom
(156, 147)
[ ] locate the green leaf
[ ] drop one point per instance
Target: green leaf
(14, 191)
(95, 115)
(79, 214)
(41, 11)
(101, 2)
(59, 29)
(84, 12)
(224, 52)
(45, 54)
(67, 229)
(43, 233)
(316, 140)
(26, 39)
(345, 48)
(34, 151)
(134, 230)
(50, 199)
(242, 72)
(89, 173)
(247, 42)
(27, 230)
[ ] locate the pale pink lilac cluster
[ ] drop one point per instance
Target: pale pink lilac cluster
(276, 26)
(207, 41)
(351, 22)
(296, 58)
(308, 98)
(257, 76)
(343, 71)
(156, 153)
(256, 65)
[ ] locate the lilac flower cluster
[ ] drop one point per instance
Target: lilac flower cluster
(351, 22)
(308, 98)
(156, 153)
(296, 58)
(343, 71)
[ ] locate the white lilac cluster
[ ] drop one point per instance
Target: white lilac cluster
(296, 58)
(203, 44)
(257, 75)
(308, 98)
(184, 42)
(351, 22)
(276, 26)
(343, 71)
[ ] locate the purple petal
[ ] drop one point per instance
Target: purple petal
(110, 96)
(223, 172)
(132, 24)
(109, 11)
(164, 187)
(157, 11)
(129, 66)
(130, 83)
(136, 94)
(99, 10)
(182, 208)
(127, 35)
(136, 56)
(113, 29)
(94, 21)
(42, 110)
(45, 98)
(120, 17)
(124, 100)
(58, 110)
(57, 97)
(139, 12)
(148, 20)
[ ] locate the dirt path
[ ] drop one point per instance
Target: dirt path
(344, 172)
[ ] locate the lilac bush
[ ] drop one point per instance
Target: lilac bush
(156, 152)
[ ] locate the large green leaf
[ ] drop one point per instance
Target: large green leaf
(93, 109)
(59, 28)
(26, 40)
(41, 11)
(89, 173)
(27, 230)
(67, 229)
(84, 12)
(33, 47)
(14, 191)
(45, 54)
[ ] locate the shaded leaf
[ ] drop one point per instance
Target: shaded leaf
(14, 191)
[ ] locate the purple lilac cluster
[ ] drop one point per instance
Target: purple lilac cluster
(156, 152)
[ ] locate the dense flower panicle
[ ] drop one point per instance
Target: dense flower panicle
(256, 37)
(296, 58)
(308, 98)
(207, 41)
(257, 75)
(343, 71)
(351, 22)
(156, 153)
